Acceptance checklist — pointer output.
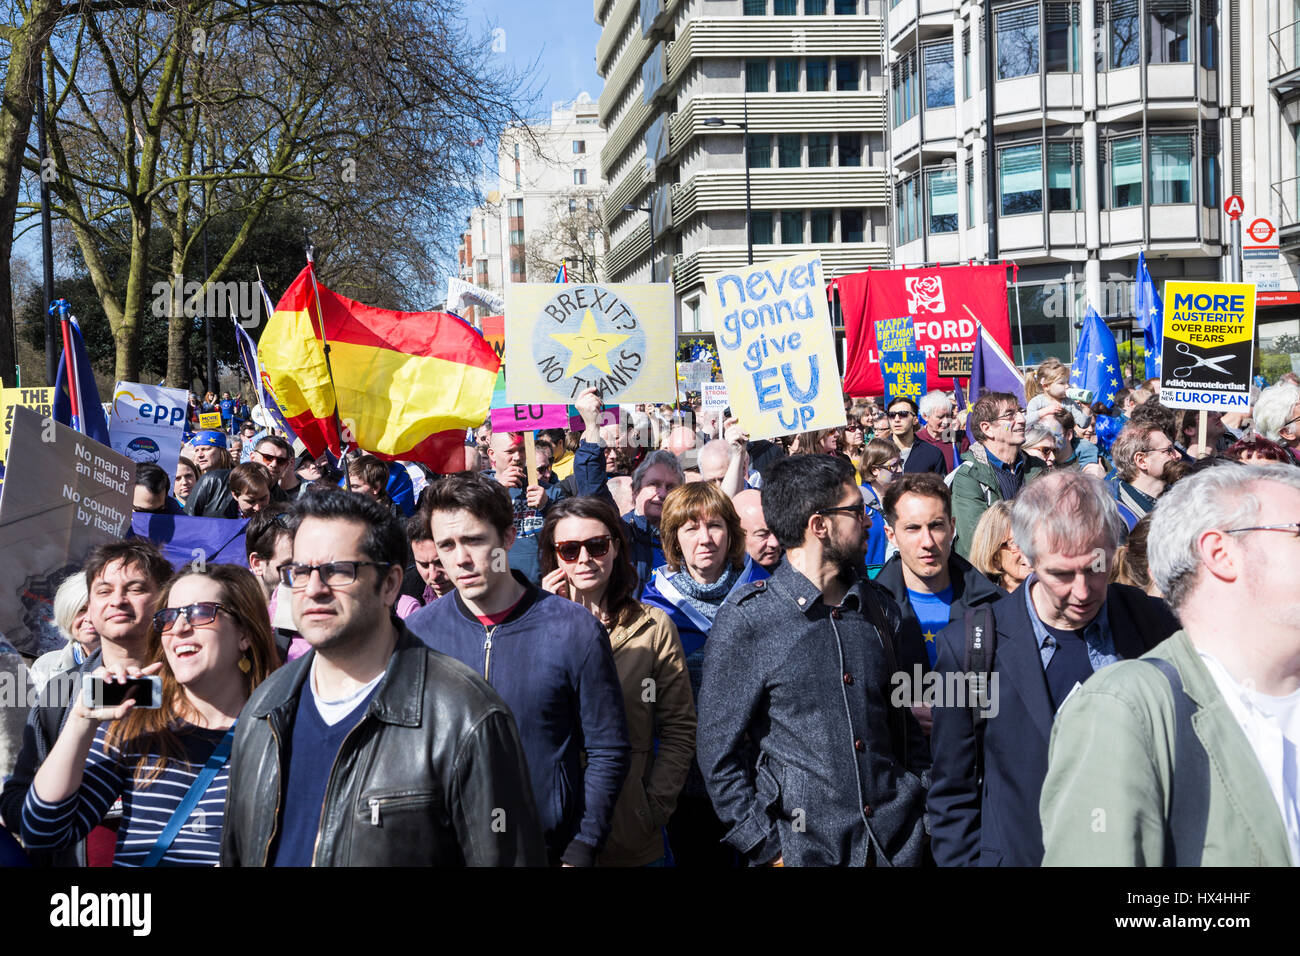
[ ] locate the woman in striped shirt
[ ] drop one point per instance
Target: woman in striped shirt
(212, 645)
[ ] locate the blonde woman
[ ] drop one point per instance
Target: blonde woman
(993, 550)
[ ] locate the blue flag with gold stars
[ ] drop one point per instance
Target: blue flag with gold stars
(1096, 360)
(1150, 314)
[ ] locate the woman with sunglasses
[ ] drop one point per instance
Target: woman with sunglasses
(881, 464)
(584, 558)
(211, 645)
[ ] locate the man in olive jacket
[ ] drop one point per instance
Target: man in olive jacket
(994, 469)
(1179, 759)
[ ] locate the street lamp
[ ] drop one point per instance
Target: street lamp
(718, 121)
(649, 212)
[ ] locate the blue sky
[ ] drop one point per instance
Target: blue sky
(561, 36)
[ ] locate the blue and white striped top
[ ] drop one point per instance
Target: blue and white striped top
(146, 808)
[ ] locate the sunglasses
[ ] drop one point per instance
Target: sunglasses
(899, 415)
(596, 548)
(202, 612)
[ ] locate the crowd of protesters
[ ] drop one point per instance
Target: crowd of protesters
(662, 643)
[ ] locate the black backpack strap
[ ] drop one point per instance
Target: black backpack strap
(981, 641)
(876, 616)
(1189, 790)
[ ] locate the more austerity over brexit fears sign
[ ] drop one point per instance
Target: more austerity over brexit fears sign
(563, 338)
(1209, 332)
(776, 347)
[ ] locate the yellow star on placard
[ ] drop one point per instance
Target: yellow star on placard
(589, 346)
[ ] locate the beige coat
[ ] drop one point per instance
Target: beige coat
(657, 694)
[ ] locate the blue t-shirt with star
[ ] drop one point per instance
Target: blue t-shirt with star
(932, 613)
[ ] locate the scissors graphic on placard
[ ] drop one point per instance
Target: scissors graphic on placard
(1201, 361)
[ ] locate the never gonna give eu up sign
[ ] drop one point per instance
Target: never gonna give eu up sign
(776, 347)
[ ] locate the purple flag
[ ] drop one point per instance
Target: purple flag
(992, 371)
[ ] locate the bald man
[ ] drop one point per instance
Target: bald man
(681, 442)
(715, 458)
(760, 543)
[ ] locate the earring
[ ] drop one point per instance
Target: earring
(245, 664)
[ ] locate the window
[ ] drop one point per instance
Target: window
(755, 8)
(761, 223)
(818, 73)
(941, 200)
(1210, 39)
(850, 149)
(821, 225)
(760, 151)
(516, 237)
(1017, 40)
(791, 227)
(516, 207)
(787, 76)
(846, 8)
(814, 8)
(1020, 175)
(579, 177)
(1210, 169)
(819, 149)
(1064, 177)
(786, 8)
(1169, 23)
(1171, 169)
(1125, 36)
(516, 150)
(938, 74)
(970, 193)
(906, 96)
(573, 205)
(756, 76)
(1126, 172)
(851, 225)
(908, 209)
(789, 150)
(846, 73)
(1061, 38)
(965, 64)
(579, 146)
(591, 205)
(518, 181)
(591, 232)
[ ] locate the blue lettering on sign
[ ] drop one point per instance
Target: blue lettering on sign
(763, 391)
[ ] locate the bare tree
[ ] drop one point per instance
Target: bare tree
(572, 232)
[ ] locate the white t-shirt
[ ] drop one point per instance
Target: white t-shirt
(1272, 725)
(332, 711)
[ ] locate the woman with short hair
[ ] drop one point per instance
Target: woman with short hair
(70, 605)
(994, 551)
(187, 473)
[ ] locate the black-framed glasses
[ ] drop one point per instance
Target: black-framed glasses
(597, 547)
(853, 511)
(1293, 527)
(334, 574)
(1291, 422)
(1010, 415)
(198, 613)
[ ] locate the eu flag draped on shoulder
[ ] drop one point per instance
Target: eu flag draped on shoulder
(1150, 312)
(76, 397)
(405, 384)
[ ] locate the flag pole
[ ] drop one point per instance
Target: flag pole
(70, 367)
(1020, 328)
(320, 317)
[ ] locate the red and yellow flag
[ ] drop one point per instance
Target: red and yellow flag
(407, 384)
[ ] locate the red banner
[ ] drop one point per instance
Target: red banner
(944, 303)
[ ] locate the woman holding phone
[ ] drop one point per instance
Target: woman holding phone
(583, 553)
(210, 646)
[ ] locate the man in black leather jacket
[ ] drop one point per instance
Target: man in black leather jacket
(372, 750)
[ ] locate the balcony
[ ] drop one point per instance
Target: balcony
(1284, 210)
(1284, 61)
(838, 259)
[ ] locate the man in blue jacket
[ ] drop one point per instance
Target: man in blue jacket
(548, 658)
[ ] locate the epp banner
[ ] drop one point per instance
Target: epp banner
(1209, 345)
(776, 347)
(39, 400)
(944, 303)
(147, 423)
(895, 335)
(904, 374)
(563, 338)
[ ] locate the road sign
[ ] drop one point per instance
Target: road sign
(1261, 230)
(1209, 336)
(1234, 206)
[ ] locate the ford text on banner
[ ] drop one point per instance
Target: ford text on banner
(146, 423)
(776, 347)
(945, 303)
(904, 374)
(1209, 345)
(71, 494)
(562, 339)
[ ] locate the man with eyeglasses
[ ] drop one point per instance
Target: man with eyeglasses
(371, 750)
(1140, 453)
(548, 658)
(807, 760)
(995, 468)
(918, 456)
(1190, 753)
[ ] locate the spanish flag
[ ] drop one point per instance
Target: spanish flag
(406, 384)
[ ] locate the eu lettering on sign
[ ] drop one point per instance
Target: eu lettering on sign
(776, 348)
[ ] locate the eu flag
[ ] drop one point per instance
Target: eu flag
(1096, 360)
(1150, 314)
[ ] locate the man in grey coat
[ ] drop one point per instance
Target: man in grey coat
(799, 669)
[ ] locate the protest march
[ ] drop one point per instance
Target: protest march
(576, 597)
